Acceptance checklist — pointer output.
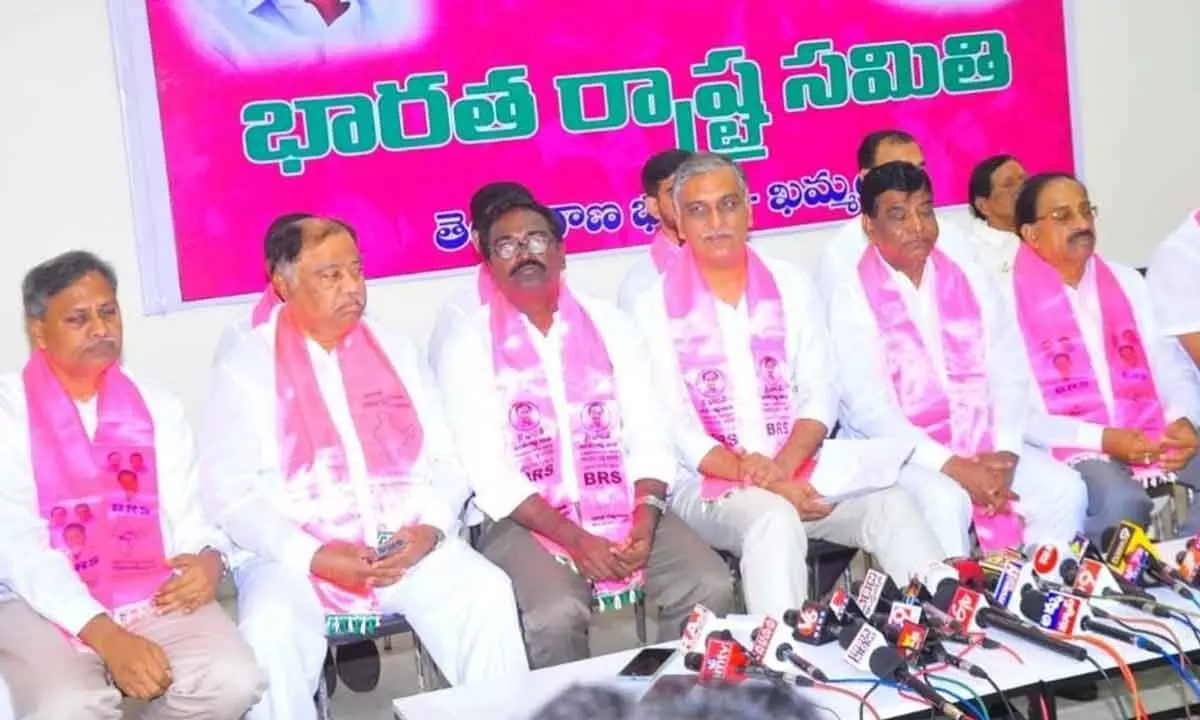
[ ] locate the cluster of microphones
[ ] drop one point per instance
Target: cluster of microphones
(1042, 595)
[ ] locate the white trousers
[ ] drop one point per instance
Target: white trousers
(6, 711)
(766, 532)
(460, 605)
(1053, 501)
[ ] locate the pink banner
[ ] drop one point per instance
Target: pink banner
(390, 114)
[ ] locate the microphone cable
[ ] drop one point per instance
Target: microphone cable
(863, 703)
(1169, 639)
(1139, 710)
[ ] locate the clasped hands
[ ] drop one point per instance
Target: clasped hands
(599, 558)
(1174, 450)
(770, 474)
(358, 568)
(987, 478)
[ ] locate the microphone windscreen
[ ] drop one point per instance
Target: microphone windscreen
(847, 633)
(944, 595)
(1106, 538)
(693, 661)
(885, 661)
(1069, 569)
(1032, 606)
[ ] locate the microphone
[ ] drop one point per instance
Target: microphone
(1016, 575)
(714, 670)
(770, 644)
(1189, 562)
(1049, 559)
(941, 654)
(974, 612)
(1063, 614)
(873, 588)
(844, 608)
(885, 663)
(905, 635)
(1128, 545)
(970, 573)
(811, 624)
(698, 621)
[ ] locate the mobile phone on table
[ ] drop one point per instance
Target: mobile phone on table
(647, 663)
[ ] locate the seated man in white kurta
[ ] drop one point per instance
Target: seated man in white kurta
(1113, 395)
(839, 259)
(564, 437)
(1174, 291)
(992, 193)
(739, 344)
(323, 445)
(108, 567)
(928, 352)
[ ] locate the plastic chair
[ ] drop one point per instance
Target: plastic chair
(389, 625)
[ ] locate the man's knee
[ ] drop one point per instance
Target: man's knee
(777, 526)
(558, 615)
(279, 636)
(224, 688)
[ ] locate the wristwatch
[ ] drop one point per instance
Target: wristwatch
(653, 501)
(220, 556)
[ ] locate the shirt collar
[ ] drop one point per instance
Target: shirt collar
(991, 235)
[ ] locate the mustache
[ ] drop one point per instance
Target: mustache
(718, 235)
(1080, 235)
(530, 262)
(107, 343)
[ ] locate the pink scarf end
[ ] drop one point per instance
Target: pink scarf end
(996, 532)
(262, 309)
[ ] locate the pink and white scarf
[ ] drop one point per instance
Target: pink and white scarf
(99, 496)
(959, 416)
(704, 364)
(267, 302)
(664, 251)
(606, 497)
(1063, 367)
(321, 495)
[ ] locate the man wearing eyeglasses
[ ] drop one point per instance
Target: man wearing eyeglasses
(564, 440)
(927, 351)
(1120, 416)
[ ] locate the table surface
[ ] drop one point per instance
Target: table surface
(515, 698)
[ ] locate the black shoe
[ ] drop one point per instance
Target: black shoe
(330, 671)
(1078, 690)
(358, 665)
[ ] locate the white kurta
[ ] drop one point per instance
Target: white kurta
(1053, 496)
(461, 606)
(995, 249)
(638, 279)
(479, 414)
(1169, 367)
(761, 527)
(43, 576)
(839, 259)
(1174, 290)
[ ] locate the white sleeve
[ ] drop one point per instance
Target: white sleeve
(649, 453)
(868, 402)
(813, 368)
(1007, 366)
(692, 442)
(1170, 366)
(41, 575)
(448, 476)
(233, 486)
(1173, 284)
(179, 481)
(478, 419)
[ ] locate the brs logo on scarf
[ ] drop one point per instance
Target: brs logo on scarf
(592, 479)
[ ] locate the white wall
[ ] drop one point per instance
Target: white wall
(64, 183)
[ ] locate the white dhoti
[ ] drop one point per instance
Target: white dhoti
(460, 605)
(1053, 501)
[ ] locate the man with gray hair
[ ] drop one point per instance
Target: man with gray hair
(108, 567)
(739, 341)
(327, 460)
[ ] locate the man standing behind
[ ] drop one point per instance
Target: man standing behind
(739, 343)
(992, 193)
(658, 175)
(566, 447)
(1120, 417)
(135, 603)
(928, 353)
(841, 254)
(467, 300)
(324, 446)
